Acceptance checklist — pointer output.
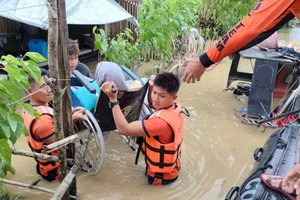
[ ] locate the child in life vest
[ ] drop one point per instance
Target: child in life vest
(41, 131)
(162, 132)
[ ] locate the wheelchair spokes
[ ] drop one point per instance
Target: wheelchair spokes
(90, 150)
(131, 141)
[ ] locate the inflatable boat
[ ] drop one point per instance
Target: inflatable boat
(279, 154)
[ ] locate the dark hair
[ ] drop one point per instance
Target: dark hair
(167, 81)
(73, 47)
(31, 80)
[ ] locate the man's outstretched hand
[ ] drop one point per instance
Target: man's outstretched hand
(193, 70)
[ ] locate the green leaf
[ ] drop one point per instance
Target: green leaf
(102, 32)
(23, 80)
(4, 196)
(12, 89)
(95, 28)
(11, 69)
(12, 120)
(5, 159)
(2, 134)
(97, 37)
(3, 107)
(17, 126)
(3, 94)
(33, 112)
(11, 59)
(33, 70)
(4, 125)
(128, 34)
(97, 45)
(36, 57)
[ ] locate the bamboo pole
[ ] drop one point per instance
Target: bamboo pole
(65, 141)
(60, 143)
(34, 155)
(30, 186)
(66, 183)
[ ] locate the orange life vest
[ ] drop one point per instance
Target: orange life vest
(36, 146)
(162, 158)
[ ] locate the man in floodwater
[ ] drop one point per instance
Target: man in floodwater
(266, 17)
(41, 131)
(162, 132)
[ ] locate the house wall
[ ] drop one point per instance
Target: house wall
(10, 37)
(9, 26)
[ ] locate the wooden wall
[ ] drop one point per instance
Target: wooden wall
(130, 6)
(9, 26)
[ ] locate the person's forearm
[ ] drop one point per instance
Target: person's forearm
(120, 120)
(267, 17)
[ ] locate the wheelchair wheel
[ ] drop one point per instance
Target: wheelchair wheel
(90, 150)
(132, 141)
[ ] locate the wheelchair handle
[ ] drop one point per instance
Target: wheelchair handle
(113, 90)
(82, 79)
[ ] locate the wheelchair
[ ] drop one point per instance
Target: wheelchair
(89, 148)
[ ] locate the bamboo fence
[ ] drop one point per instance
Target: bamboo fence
(132, 7)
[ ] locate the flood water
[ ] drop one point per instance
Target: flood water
(217, 151)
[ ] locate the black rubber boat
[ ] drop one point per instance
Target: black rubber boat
(279, 154)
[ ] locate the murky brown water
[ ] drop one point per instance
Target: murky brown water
(217, 152)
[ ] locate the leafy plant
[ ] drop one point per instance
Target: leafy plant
(160, 28)
(119, 49)
(11, 86)
(216, 17)
(161, 23)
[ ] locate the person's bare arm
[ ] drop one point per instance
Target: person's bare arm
(151, 82)
(265, 18)
(131, 129)
(50, 139)
(194, 70)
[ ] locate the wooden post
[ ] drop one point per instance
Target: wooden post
(66, 183)
(58, 63)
